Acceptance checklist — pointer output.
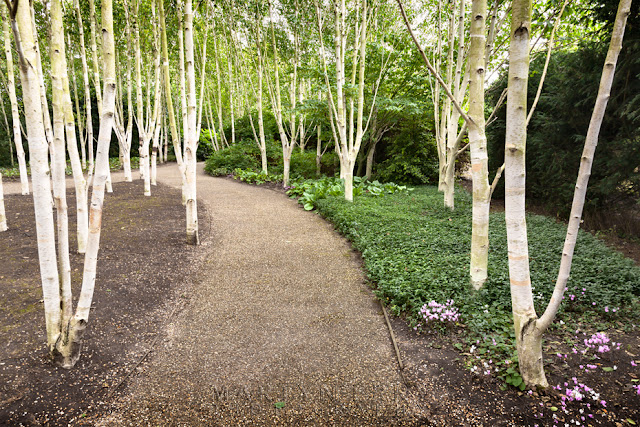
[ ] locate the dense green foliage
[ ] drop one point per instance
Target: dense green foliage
(246, 155)
(243, 155)
(410, 157)
(416, 251)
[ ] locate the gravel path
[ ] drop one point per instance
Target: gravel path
(278, 327)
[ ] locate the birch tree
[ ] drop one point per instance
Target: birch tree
(64, 327)
(276, 105)
(528, 326)
(348, 133)
(474, 121)
(147, 120)
(175, 136)
(65, 130)
(15, 115)
(88, 139)
(192, 137)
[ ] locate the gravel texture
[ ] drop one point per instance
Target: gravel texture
(279, 327)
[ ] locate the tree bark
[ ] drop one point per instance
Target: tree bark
(38, 156)
(87, 90)
(478, 146)
(191, 143)
(69, 345)
(15, 115)
(528, 341)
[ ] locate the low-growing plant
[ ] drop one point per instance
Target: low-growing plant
(309, 192)
(252, 177)
(417, 251)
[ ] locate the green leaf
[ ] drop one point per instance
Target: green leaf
(554, 408)
(607, 369)
(517, 381)
(630, 421)
(279, 405)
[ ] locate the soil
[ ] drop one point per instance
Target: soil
(143, 265)
(151, 354)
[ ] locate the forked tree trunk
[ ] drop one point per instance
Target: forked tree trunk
(69, 344)
(15, 115)
(529, 329)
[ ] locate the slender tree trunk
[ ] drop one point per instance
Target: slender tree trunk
(319, 151)
(478, 146)
(58, 53)
(15, 115)
(43, 89)
(260, 66)
(58, 161)
(8, 129)
(276, 101)
(94, 55)
(529, 329)
(191, 142)
(83, 151)
(529, 345)
(87, 90)
(39, 162)
(68, 348)
(175, 136)
(219, 97)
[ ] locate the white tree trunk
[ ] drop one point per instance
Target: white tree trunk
(191, 143)
(68, 348)
(58, 161)
(87, 91)
(528, 342)
(38, 154)
(478, 146)
(15, 115)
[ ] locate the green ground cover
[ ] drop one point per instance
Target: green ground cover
(417, 251)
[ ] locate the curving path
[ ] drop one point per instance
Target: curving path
(279, 327)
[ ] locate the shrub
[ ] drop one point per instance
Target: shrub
(303, 164)
(412, 159)
(243, 155)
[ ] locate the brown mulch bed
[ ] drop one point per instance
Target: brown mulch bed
(142, 266)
